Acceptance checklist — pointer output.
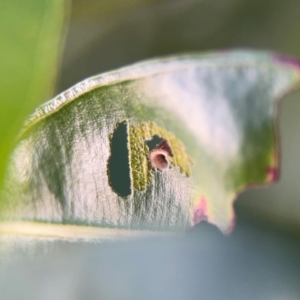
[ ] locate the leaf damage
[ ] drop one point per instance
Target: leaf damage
(141, 165)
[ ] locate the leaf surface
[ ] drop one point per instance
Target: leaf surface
(162, 144)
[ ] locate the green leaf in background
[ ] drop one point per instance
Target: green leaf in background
(158, 145)
(30, 35)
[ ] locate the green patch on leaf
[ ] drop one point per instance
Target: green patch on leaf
(140, 164)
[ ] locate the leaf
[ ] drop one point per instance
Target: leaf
(30, 44)
(162, 144)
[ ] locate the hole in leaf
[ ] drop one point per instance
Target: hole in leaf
(118, 164)
(156, 140)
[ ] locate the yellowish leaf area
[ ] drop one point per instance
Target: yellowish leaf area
(139, 153)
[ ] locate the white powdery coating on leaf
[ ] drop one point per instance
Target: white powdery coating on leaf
(210, 121)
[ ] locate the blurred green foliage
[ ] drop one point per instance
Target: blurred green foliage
(30, 35)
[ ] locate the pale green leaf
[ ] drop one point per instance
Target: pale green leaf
(83, 157)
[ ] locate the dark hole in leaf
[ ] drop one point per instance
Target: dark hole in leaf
(118, 164)
(154, 142)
